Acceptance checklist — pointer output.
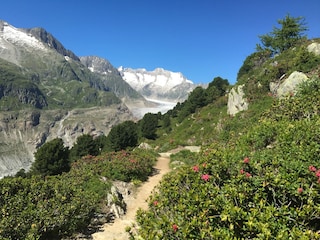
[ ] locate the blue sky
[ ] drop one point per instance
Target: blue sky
(202, 39)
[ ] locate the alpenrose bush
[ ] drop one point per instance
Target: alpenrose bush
(255, 201)
(37, 208)
(58, 206)
(269, 190)
(122, 165)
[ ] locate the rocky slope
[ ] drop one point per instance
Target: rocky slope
(21, 132)
(47, 92)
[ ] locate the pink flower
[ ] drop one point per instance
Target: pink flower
(318, 173)
(175, 227)
(195, 168)
(242, 171)
(155, 203)
(248, 175)
(300, 190)
(246, 160)
(312, 168)
(205, 177)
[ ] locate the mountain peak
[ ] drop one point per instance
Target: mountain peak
(98, 65)
(11, 34)
(159, 84)
(45, 37)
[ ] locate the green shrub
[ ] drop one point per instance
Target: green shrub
(183, 157)
(36, 208)
(122, 165)
(263, 184)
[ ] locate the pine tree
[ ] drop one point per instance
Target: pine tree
(281, 39)
(122, 136)
(51, 158)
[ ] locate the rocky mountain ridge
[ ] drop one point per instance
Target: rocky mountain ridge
(46, 92)
(159, 84)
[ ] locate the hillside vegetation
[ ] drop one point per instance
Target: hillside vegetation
(258, 175)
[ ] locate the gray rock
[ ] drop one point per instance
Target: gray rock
(144, 146)
(290, 84)
(236, 100)
(21, 133)
(314, 47)
(116, 203)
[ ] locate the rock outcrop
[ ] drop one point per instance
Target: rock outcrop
(236, 100)
(315, 48)
(45, 37)
(21, 133)
(288, 85)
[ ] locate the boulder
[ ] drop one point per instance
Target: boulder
(314, 47)
(115, 203)
(289, 85)
(236, 100)
(145, 145)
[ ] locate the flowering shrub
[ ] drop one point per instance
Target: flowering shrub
(123, 165)
(58, 206)
(39, 208)
(264, 184)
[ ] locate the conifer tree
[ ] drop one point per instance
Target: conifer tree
(51, 158)
(280, 39)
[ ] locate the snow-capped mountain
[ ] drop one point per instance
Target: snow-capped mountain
(47, 93)
(159, 84)
(17, 44)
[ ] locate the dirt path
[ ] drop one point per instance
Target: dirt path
(116, 230)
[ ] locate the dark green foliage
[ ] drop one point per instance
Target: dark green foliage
(253, 61)
(51, 158)
(216, 89)
(281, 39)
(101, 142)
(196, 99)
(21, 173)
(50, 208)
(121, 165)
(122, 136)
(85, 145)
(148, 126)
(199, 98)
(166, 122)
(305, 61)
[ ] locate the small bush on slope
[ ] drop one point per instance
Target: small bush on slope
(264, 185)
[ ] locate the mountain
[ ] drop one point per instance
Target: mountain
(113, 79)
(159, 84)
(47, 92)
